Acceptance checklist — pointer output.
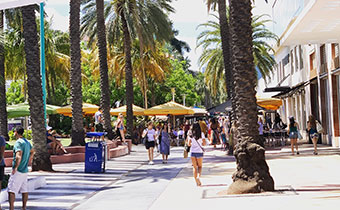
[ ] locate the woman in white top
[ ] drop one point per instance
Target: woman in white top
(196, 144)
(150, 142)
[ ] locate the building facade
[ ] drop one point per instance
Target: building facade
(307, 74)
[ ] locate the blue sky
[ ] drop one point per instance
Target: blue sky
(189, 14)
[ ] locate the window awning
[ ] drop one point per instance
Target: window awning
(8, 4)
(277, 89)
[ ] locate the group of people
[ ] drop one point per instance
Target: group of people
(314, 129)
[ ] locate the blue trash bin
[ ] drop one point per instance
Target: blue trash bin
(95, 157)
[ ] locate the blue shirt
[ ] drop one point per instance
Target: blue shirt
(2, 144)
(22, 145)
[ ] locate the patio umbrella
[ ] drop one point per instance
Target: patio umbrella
(136, 110)
(269, 103)
(23, 110)
(170, 108)
(87, 109)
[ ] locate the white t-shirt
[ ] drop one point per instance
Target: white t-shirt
(96, 117)
(150, 134)
(196, 145)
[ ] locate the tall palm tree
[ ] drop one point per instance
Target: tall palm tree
(212, 56)
(3, 111)
(104, 79)
(124, 17)
(41, 159)
(252, 175)
(76, 85)
(225, 41)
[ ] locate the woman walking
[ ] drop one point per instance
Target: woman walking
(120, 128)
(313, 132)
(150, 135)
(196, 152)
(214, 132)
(165, 142)
(293, 134)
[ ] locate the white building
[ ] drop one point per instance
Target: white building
(308, 70)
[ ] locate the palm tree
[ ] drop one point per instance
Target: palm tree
(104, 79)
(125, 17)
(225, 41)
(41, 159)
(76, 85)
(212, 56)
(252, 175)
(3, 111)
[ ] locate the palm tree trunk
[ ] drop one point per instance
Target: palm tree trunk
(75, 77)
(3, 111)
(104, 78)
(41, 159)
(48, 88)
(128, 75)
(252, 175)
(225, 36)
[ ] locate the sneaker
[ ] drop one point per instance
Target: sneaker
(315, 153)
(297, 153)
(151, 163)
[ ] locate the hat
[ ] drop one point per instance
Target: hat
(48, 128)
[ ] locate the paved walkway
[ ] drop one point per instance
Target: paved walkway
(302, 181)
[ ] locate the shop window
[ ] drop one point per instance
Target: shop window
(301, 56)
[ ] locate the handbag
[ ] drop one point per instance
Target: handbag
(319, 128)
(145, 139)
(299, 135)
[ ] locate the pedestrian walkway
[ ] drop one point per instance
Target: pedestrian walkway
(302, 182)
(69, 185)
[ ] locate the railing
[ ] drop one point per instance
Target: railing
(323, 68)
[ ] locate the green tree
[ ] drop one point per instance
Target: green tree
(41, 159)
(212, 56)
(252, 175)
(76, 78)
(15, 94)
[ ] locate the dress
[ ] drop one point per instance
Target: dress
(165, 143)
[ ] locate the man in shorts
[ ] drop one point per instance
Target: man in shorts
(2, 161)
(98, 120)
(22, 153)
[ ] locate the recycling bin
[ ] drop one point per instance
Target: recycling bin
(95, 157)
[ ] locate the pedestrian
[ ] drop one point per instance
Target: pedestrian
(158, 135)
(120, 128)
(98, 120)
(165, 142)
(150, 135)
(204, 127)
(22, 153)
(225, 134)
(2, 162)
(293, 132)
(196, 144)
(186, 128)
(215, 139)
(313, 132)
(260, 122)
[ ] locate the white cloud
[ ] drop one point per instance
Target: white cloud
(59, 21)
(189, 11)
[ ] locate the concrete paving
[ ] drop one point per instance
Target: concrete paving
(302, 181)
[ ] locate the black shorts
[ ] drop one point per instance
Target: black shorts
(99, 127)
(149, 144)
(2, 173)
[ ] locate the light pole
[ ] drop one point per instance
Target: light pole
(173, 93)
(184, 95)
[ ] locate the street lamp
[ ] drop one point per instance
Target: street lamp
(173, 93)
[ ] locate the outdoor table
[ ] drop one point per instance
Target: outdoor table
(95, 135)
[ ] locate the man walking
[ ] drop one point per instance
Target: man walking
(22, 153)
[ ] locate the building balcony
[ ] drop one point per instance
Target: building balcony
(317, 21)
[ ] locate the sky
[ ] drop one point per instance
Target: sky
(189, 14)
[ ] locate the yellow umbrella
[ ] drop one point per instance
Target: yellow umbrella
(136, 110)
(269, 103)
(171, 108)
(87, 109)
